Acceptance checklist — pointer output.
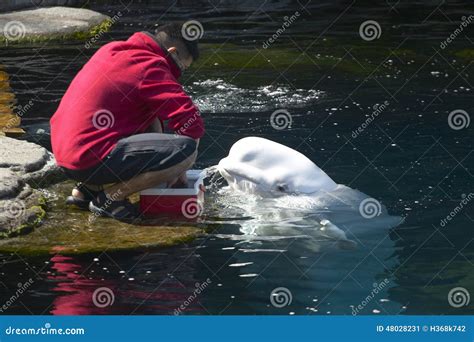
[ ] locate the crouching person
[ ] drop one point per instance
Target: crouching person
(108, 128)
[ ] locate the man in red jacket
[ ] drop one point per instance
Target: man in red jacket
(108, 128)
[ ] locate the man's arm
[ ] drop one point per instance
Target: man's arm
(166, 97)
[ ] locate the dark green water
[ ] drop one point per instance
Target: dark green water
(329, 79)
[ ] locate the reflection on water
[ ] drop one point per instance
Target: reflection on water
(79, 291)
(9, 121)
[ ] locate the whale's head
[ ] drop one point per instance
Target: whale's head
(262, 166)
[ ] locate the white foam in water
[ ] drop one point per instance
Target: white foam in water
(330, 218)
(218, 96)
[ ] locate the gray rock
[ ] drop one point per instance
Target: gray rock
(10, 183)
(11, 5)
(24, 169)
(19, 215)
(22, 156)
(47, 174)
(47, 23)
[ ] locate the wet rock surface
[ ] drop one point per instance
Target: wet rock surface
(68, 230)
(48, 23)
(24, 168)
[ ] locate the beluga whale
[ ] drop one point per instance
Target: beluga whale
(261, 166)
(288, 196)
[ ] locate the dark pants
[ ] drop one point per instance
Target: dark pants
(135, 155)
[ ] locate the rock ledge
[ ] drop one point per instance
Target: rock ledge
(25, 168)
(51, 23)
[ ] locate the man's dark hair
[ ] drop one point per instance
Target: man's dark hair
(174, 30)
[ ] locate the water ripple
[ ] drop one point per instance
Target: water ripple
(218, 96)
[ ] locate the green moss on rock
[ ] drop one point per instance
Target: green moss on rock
(32, 217)
(105, 236)
(38, 214)
(70, 36)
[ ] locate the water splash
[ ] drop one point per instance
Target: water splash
(218, 96)
(316, 221)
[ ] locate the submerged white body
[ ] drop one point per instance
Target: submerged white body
(262, 166)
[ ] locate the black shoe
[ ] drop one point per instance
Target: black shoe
(120, 210)
(89, 195)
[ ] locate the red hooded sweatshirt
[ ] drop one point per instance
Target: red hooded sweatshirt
(119, 92)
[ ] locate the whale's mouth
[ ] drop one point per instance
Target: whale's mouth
(232, 174)
(241, 181)
(244, 182)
